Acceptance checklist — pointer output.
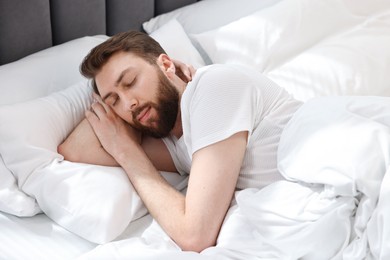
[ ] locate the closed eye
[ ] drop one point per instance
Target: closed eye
(131, 83)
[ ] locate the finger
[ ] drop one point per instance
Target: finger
(98, 109)
(99, 100)
(91, 118)
(186, 72)
(192, 71)
(181, 75)
(189, 72)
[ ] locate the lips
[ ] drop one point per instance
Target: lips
(144, 114)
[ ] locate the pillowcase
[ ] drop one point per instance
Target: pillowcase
(46, 71)
(12, 200)
(269, 37)
(176, 43)
(33, 76)
(352, 63)
(94, 202)
(31, 131)
(207, 15)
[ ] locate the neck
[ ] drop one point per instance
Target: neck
(177, 129)
(180, 85)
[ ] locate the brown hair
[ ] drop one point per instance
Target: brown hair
(138, 43)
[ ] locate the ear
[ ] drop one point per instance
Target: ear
(166, 65)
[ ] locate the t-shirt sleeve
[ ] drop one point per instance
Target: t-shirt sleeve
(224, 102)
(177, 156)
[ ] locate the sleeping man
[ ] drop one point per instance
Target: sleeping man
(223, 128)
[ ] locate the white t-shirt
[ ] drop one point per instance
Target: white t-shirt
(222, 100)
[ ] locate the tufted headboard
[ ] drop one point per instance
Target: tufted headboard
(28, 26)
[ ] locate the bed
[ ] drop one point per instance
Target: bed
(333, 55)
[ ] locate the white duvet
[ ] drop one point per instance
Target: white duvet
(335, 154)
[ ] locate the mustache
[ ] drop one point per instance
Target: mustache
(139, 109)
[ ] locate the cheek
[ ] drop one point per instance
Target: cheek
(148, 88)
(126, 116)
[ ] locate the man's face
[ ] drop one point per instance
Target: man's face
(139, 93)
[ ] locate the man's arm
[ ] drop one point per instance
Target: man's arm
(83, 146)
(192, 221)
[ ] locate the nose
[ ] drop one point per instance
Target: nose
(130, 102)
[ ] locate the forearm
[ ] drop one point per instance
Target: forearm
(165, 204)
(83, 146)
(193, 221)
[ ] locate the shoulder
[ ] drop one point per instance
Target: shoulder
(220, 86)
(223, 76)
(224, 72)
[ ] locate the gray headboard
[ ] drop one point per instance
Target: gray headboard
(28, 26)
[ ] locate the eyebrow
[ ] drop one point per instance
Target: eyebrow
(119, 79)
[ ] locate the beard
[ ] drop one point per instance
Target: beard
(167, 108)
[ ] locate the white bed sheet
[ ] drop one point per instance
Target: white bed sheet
(38, 237)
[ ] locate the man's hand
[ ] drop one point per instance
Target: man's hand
(112, 131)
(183, 71)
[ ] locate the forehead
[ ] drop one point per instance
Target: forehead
(115, 65)
(118, 62)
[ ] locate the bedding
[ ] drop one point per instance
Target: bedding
(56, 185)
(181, 48)
(289, 35)
(38, 237)
(37, 75)
(334, 153)
(29, 78)
(201, 16)
(349, 50)
(13, 200)
(341, 201)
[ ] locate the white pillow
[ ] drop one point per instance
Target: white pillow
(34, 76)
(92, 201)
(176, 43)
(95, 202)
(13, 200)
(31, 131)
(207, 14)
(269, 37)
(46, 71)
(30, 134)
(352, 63)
